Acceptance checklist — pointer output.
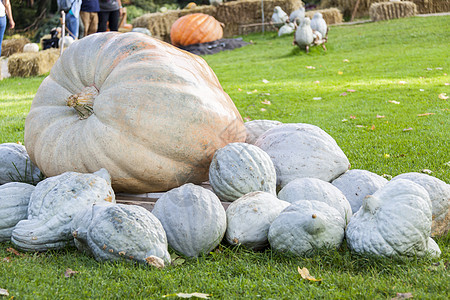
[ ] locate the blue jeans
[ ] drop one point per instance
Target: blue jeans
(2, 30)
(72, 24)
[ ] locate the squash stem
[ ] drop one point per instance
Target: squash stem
(83, 102)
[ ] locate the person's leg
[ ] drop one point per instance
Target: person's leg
(72, 25)
(86, 20)
(114, 20)
(94, 23)
(2, 30)
(102, 21)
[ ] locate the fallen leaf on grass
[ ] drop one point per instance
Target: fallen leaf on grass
(351, 91)
(447, 83)
(429, 69)
(386, 155)
(425, 114)
(402, 82)
(185, 295)
(252, 92)
(4, 292)
(346, 60)
(352, 117)
(340, 72)
(372, 127)
(14, 251)
(443, 96)
(403, 296)
(263, 109)
(6, 259)
(317, 81)
(426, 171)
(267, 102)
(305, 274)
(343, 94)
(439, 68)
(380, 116)
(69, 273)
(239, 90)
(246, 119)
(317, 98)
(265, 81)
(407, 129)
(422, 90)
(393, 101)
(344, 120)
(360, 126)
(310, 67)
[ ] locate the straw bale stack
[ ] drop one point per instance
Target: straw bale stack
(330, 15)
(32, 64)
(231, 14)
(347, 6)
(11, 46)
(392, 10)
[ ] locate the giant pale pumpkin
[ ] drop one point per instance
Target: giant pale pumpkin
(194, 29)
(149, 113)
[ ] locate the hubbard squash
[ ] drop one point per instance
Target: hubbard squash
(149, 113)
(194, 29)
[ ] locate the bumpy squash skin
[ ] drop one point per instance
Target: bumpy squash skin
(159, 116)
(14, 199)
(240, 168)
(195, 28)
(249, 219)
(303, 150)
(394, 221)
(357, 184)
(193, 218)
(117, 231)
(14, 156)
(53, 205)
(316, 189)
(306, 226)
(256, 128)
(439, 193)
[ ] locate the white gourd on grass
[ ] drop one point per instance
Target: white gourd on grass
(356, 184)
(439, 193)
(193, 218)
(303, 150)
(394, 221)
(319, 24)
(53, 205)
(304, 34)
(306, 226)
(14, 199)
(118, 231)
(279, 17)
(297, 14)
(257, 127)
(249, 219)
(316, 189)
(16, 165)
(240, 168)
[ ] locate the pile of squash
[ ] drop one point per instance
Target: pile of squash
(169, 126)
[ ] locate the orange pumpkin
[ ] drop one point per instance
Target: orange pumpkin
(194, 29)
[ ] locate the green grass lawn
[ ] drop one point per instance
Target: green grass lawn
(369, 91)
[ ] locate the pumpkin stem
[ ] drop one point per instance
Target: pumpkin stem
(83, 102)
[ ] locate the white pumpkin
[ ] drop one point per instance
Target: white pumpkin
(303, 150)
(249, 219)
(14, 199)
(306, 226)
(439, 193)
(16, 165)
(119, 231)
(193, 218)
(394, 221)
(31, 47)
(257, 127)
(316, 189)
(238, 169)
(357, 184)
(53, 205)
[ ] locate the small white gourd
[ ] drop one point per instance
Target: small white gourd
(257, 127)
(193, 218)
(249, 219)
(31, 47)
(240, 168)
(439, 193)
(394, 221)
(16, 165)
(118, 231)
(316, 189)
(303, 150)
(305, 226)
(357, 184)
(14, 199)
(53, 205)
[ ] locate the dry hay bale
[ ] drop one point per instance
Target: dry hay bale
(11, 46)
(330, 15)
(32, 64)
(432, 6)
(231, 14)
(392, 10)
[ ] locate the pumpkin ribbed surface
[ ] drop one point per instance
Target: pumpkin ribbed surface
(194, 29)
(149, 113)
